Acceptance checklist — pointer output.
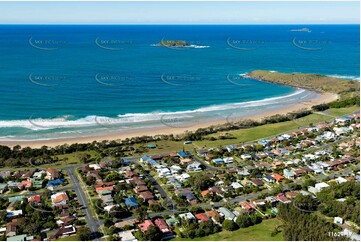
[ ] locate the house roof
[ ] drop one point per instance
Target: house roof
(146, 195)
(227, 213)
(205, 192)
(35, 198)
(145, 225)
(131, 202)
(98, 189)
(160, 223)
(278, 177)
(257, 182)
(212, 213)
(60, 197)
(202, 217)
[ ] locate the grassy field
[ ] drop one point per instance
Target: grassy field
(259, 232)
(342, 111)
(251, 134)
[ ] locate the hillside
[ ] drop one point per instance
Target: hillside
(315, 82)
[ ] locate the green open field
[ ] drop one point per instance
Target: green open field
(259, 232)
(251, 134)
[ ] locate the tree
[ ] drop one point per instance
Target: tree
(200, 182)
(84, 233)
(153, 233)
(243, 221)
(229, 225)
(142, 214)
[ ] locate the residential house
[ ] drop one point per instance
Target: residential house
(226, 213)
(195, 166)
(257, 182)
(145, 225)
(218, 161)
(34, 199)
(51, 174)
(248, 207)
(25, 184)
(201, 217)
(288, 174)
(11, 228)
(214, 215)
(147, 195)
(270, 179)
(60, 198)
(278, 177)
(131, 202)
(163, 226)
(187, 216)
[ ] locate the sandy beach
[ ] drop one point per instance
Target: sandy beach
(165, 130)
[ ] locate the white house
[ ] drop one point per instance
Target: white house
(236, 185)
(37, 175)
(182, 177)
(228, 160)
(246, 157)
(320, 186)
(95, 166)
(340, 180)
(342, 130)
(164, 172)
(195, 166)
(174, 169)
(187, 216)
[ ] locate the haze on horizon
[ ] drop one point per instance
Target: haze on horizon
(179, 12)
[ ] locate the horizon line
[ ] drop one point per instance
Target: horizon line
(179, 23)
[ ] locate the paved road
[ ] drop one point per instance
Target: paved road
(210, 205)
(92, 223)
(164, 195)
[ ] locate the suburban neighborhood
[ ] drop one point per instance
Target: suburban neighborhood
(190, 193)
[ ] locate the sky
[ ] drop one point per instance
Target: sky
(180, 12)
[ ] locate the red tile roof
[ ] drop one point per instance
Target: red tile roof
(202, 217)
(145, 225)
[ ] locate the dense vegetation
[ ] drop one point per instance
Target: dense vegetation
(303, 226)
(320, 83)
(354, 101)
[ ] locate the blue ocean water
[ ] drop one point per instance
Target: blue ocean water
(66, 80)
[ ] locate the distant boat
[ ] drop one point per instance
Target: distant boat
(301, 30)
(187, 142)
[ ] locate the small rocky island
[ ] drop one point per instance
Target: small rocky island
(173, 43)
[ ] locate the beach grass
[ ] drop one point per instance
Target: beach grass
(259, 232)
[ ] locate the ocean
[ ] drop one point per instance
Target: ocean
(60, 81)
